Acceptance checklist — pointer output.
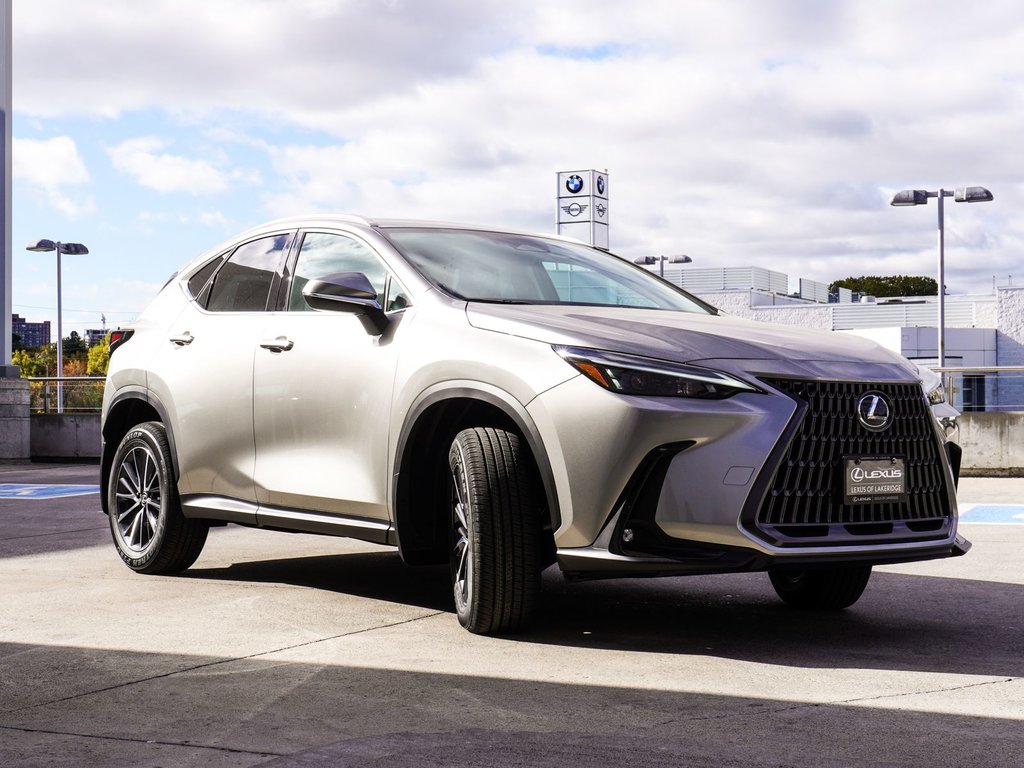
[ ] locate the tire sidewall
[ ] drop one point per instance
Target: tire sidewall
(150, 436)
(459, 473)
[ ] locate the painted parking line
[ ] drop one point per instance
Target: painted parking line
(992, 513)
(30, 491)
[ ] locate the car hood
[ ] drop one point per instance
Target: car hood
(680, 336)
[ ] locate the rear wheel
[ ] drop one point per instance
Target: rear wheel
(825, 589)
(149, 530)
(495, 564)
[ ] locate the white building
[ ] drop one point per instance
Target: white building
(981, 331)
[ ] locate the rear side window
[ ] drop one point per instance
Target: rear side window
(243, 283)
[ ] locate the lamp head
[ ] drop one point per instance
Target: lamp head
(972, 195)
(910, 197)
(41, 246)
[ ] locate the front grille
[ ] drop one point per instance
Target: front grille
(803, 499)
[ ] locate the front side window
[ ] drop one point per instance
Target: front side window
(526, 269)
(243, 283)
(324, 254)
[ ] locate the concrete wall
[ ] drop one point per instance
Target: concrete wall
(14, 420)
(65, 436)
(993, 444)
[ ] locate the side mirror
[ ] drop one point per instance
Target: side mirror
(348, 292)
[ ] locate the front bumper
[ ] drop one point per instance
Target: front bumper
(749, 484)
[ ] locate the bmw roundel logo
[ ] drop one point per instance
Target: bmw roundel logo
(874, 411)
(574, 183)
(600, 185)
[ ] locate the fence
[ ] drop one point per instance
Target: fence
(81, 394)
(998, 389)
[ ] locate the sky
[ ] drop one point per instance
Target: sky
(767, 133)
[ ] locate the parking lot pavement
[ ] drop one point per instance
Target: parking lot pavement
(283, 650)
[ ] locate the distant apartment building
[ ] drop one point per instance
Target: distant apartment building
(94, 336)
(31, 334)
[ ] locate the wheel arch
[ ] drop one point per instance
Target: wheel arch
(433, 420)
(129, 407)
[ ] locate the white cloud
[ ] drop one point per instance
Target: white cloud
(739, 132)
(49, 167)
(144, 160)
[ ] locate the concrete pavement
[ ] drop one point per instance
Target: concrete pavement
(285, 650)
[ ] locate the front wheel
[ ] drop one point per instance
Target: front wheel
(825, 589)
(495, 563)
(149, 530)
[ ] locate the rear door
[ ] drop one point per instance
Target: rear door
(206, 370)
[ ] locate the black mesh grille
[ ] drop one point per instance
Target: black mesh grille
(804, 495)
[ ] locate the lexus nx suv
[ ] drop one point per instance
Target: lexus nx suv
(502, 401)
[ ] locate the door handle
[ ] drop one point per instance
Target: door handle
(280, 344)
(183, 339)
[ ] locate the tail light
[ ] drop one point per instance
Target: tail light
(119, 337)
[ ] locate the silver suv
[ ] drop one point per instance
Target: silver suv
(503, 401)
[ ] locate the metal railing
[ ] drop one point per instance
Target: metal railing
(984, 389)
(80, 394)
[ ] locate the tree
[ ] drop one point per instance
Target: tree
(99, 358)
(16, 342)
(891, 285)
(74, 345)
(42, 362)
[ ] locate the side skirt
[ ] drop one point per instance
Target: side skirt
(293, 520)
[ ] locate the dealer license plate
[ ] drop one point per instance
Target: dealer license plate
(874, 479)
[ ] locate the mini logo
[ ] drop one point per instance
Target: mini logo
(601, 210)
(874, 411)
(574, 183)
(575, 209)
(600, 185)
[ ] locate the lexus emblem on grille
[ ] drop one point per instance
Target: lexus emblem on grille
(874, 411)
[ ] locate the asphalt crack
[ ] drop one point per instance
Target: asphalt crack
(155, 742)
(842, 702)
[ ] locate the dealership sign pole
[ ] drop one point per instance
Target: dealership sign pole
(582, 206)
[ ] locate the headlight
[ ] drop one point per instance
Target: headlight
(931, 383)
(936, 395)
(633, 375)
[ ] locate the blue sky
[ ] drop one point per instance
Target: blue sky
(741, 133)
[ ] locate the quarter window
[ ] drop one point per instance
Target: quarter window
(200, 279)
(243, 283)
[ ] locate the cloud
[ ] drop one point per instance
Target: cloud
(145, 161)
(741, 133)
(49, 166)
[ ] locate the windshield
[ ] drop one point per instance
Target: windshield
(524, 269)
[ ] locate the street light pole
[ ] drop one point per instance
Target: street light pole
(941, 334)
(44, 246)
(920, 197)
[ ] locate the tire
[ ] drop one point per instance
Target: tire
(826, 589)
(495, 532)
(150, 532)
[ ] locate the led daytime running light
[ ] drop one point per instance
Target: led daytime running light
(633, 375)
